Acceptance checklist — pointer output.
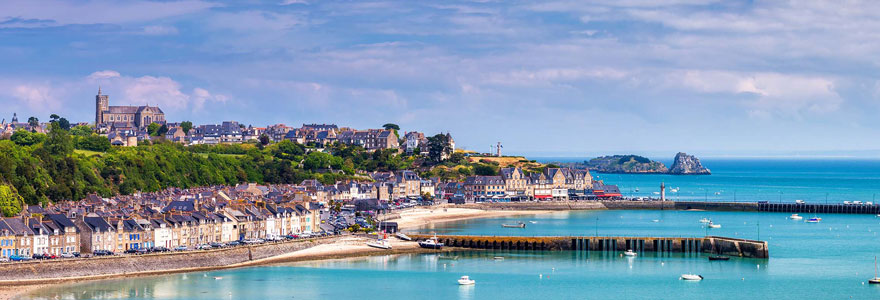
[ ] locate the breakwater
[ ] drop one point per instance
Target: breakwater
(839, 208)
(708, 244)
(31, 272)
(819, 208)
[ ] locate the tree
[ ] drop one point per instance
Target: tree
(23, 137)
(81, 130)
(438, 147)
(162, 130)
(264, 139)
(93, 142)
(59, 142)
(153, 129)
(391, 126)
(62, 122)
(485, 170)
(186, 126)
(33, 122)
(10, 201)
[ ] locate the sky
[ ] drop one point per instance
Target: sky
(544, 78)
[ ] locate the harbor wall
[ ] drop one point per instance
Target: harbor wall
(709, 244)
(147, 264)
(545, 205)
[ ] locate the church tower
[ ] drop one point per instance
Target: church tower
(102, 104)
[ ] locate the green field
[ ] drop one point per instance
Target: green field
(88, 153)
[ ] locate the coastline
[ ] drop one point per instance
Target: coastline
(349, 246)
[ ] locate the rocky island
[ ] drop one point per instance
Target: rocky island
(625, 164)
(684, 164)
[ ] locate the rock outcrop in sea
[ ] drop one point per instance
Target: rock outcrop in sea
(685, 164)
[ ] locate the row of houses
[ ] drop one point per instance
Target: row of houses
(168, 219)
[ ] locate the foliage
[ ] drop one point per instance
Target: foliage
(62, 122)
(23, 137)
(153, 129)
(162, 130)
(186, 126)
(486, 170)
(264, 139)
(438, 147)
(33, 122)
(92, 142)
(391, 126)
(81, 130)
(10, 201)
(627, 158)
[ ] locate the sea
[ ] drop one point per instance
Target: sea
(828, 260)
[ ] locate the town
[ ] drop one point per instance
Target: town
(208, 217)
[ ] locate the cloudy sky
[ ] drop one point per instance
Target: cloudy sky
(544, 77)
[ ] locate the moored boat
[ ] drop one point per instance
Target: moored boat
(517, 225)
(704, 220)
(814, 220)
(629, 252)
(690, 277)
(466, 280)
(795, 217)
(876, 279)
(381, 244)
(713, 225)
(402, 236)
(431, 243)
(719, 257)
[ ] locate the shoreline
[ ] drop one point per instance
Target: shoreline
(343, 247)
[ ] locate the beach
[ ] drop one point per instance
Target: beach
(341, 247)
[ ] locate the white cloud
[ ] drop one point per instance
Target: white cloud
(160, 91)
(106, 74)
(26, 13)
(38, 98)
(289, 2)
(255, 20)
(200, 96)
(159, 30)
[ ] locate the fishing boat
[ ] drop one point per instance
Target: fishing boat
(795, 217)
(517, 225)
(381, 244)
(690, 277)
(719, 257)
(402, 236)
(431, 243)
(630, 253)
(704, 220)
(814, 220)
(466, 280)
(713, 225)
(876, 279)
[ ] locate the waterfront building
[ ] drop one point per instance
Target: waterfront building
(370, 139)
(484, 188)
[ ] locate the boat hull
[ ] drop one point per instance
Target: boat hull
(431, 246)
(719, 258)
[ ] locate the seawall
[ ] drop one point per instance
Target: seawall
(35, 272)
(708, 244)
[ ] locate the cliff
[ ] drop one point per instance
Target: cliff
(687, 165)
(625, 164)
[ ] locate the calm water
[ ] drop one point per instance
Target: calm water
(829, 260)
(786, 180)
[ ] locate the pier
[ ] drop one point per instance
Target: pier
(708, 244)
(820, 208)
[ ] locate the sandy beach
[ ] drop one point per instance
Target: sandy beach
(343, 247)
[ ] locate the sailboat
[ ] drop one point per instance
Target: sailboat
(875, 280)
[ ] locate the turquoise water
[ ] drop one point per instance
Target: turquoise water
(786, 180)
(829, 260)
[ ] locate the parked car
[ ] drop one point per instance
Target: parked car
(181, 248)
(159, 249)
(217, 245)
(143, 251)
(19, 258)
(102, 253)
(131, 251)
(233, 244)
(4, 259)
(67, 255)
(203, 247)
(75, 254)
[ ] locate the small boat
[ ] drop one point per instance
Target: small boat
(814, 220)
(498, 258)
(690, 277)
(218, 278)
(402, 236)
(655, 221)
(713, 225)
(381, 244)
(533, 222)
(704, 220)
(466, 280)
(630, 253)
(431, 243)
(876, 279)
(517, 225)
(795, 217)
(448, 257)
(719, 257)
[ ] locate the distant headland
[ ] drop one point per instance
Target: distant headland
(683, 164)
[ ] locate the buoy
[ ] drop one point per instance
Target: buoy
(759, 266)
(541, 276)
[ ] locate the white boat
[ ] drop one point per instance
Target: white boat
(466, 280)
(431, 243)
(402, 236)
(533, 222)
(517, 225)
(690, 277)
(704, 220)
(799, 201)
(813, 220)
(630, 253)
(795, 217)
(655, 221)
(713, 225)
(381, 244)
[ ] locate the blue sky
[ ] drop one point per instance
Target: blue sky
(545, 77)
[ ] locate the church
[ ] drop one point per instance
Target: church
(137, 116)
